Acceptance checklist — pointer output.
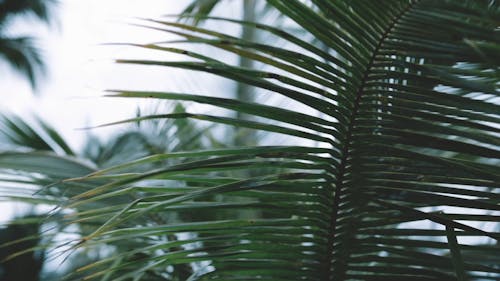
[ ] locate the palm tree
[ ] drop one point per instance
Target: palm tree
(20, 51)
(20, 238)
(399, 170)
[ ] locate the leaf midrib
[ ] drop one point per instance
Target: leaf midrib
(338, 185)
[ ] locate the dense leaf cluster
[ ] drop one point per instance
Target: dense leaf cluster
(399, 109)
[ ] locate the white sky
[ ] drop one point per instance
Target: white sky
(80, 67)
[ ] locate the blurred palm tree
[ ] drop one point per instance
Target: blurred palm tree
(21, 51)
(138, 140)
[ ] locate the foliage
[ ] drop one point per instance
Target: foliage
(397, 166)
(20, 51)
(39, 156)
(25, 265)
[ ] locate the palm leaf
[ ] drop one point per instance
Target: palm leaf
(401, 105)
(199, 9)
(21, 52)
(35, 174)
(20, 133)
(39, 8)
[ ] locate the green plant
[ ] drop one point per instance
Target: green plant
(24, 265)
(407, 97)
(37, 158)
(20, 51)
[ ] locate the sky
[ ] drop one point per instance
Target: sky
(80, 67)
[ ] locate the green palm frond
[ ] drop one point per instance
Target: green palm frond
(398, 114)
(20, 51)
(38, 8)
(36, 170)
(18, 132)
(22, 54)
(199, 9)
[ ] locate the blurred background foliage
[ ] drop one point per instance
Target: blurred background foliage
(21, 52)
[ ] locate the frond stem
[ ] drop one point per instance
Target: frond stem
(334, 272)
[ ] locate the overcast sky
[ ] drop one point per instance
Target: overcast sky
(80, 67)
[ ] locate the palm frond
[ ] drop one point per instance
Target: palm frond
(398, 169)
(18, 132)
(22, 54)
(42, 9)
(29, 264)
(198, 9)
